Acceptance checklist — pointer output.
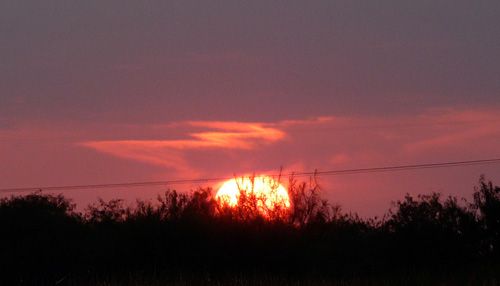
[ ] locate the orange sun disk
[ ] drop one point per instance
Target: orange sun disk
(270, 193)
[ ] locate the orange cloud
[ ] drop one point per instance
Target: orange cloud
(323, 142)
(153, 152)
(168, 153)
(236, 135)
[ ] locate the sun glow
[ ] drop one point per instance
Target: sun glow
(268, 193)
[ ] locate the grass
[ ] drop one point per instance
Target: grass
(480, 277)
(280, 280)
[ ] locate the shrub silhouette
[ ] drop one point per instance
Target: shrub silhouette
(487, 207)
(432, 231)
(32, 228)
(106, 212)
(254, 204)
(307, 206)
(44, 240)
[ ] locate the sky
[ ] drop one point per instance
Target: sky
(121, 91)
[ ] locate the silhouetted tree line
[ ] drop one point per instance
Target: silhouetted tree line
(43, 238)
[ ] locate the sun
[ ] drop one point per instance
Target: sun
(269, 193)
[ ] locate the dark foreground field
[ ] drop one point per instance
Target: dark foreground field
(190, 239)
(480, 278)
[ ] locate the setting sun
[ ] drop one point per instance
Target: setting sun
(268, 192)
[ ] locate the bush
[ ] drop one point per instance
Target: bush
(44, 239)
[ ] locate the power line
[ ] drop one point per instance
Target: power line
(294, 174)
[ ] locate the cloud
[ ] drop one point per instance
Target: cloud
(453, 128)
(322, 142)
(198, 149)
(236, 135)
(159, 153)
(170, 153)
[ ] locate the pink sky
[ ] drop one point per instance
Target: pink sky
(105, 92)
(66, 153)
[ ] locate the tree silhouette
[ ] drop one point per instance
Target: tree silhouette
(43, 239)
(487, 207)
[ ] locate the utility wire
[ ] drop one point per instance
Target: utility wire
(293, 174)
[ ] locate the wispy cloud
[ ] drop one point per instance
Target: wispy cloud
(452, 128)
(170, 153)
(196, 149)
(236, 135)
(345, 140)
